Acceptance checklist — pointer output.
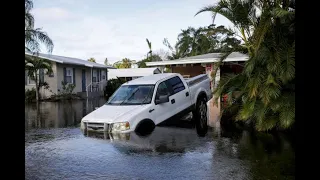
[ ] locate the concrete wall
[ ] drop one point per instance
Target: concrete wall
(214, 113)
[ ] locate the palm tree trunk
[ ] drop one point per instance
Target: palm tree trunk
(38, 115)
(37, 87)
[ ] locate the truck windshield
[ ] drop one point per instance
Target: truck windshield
(132, 95)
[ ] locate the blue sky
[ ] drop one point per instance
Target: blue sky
(117, 29)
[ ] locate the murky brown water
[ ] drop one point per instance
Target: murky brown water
(55, 148)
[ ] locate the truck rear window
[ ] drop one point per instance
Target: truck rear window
(176, 84)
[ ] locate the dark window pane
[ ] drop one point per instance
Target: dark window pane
(162, 89)
(176, 84)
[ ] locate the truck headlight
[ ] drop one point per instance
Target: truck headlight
(122, 126)
(83, 125)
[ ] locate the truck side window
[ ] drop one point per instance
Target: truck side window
(162, 89)
(176, 85)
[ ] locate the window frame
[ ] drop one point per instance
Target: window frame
(71, 72)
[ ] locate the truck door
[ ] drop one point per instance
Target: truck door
(163, 111)
(179, 93)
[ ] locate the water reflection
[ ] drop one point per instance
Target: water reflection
(172, 151)
(161, 140)
(248, 155)
(59, 114)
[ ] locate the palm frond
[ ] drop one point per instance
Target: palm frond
(282, 13)
(149, 43)
(29, 20)
(28, 5)
(34, 36)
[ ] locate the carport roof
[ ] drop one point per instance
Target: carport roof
(205, 58)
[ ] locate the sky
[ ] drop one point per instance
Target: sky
(117, 29)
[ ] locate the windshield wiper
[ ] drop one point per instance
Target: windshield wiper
(134, 92)
(150, 91)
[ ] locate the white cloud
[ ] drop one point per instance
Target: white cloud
(86, 35)
(52, 14)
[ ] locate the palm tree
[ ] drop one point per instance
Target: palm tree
(187, 41)
(34, 65)
(92, 60)
(175, 53)
(33, 37)
(150, 49)
(266, 87)
(29, 20)
(241, 13)
(126, 63)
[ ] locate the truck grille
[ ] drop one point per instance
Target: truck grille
(99, 127)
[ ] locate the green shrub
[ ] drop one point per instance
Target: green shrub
(112, 86)
(30, 95)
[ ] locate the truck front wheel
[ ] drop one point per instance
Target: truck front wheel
(200, 116)
(145, 127)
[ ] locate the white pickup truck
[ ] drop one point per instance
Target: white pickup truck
(151, 100)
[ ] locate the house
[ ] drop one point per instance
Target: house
(89, 78)
(203, 64)
(131, 73)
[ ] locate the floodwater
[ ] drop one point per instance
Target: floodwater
(56, 148)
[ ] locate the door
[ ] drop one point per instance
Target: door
(83, 80)
(163, 111)
(180, 93)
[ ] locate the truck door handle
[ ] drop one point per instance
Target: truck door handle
(187, 94)
(151, 110)
(173, 101)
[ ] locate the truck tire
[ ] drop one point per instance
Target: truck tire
(145, 127)
(200, 116)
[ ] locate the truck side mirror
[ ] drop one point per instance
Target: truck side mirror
(162, 99)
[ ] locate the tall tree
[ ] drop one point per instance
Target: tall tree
(266, 87)
(35, 68)
(92, 60)
(175, 53)
(125, 63)
(34, 37)
(149, 54)
(142, 63)
(106, 62)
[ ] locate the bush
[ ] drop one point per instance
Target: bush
(67, 89)
(66, 93)
(112, 86)
(30, 95)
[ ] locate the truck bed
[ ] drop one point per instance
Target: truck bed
(197, 79)
(195, 83)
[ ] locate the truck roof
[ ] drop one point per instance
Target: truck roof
(152, 79)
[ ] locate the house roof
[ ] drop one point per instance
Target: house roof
(131, 72)
(69, 60)
(205, 58)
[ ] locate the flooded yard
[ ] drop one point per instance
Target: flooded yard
(56, 148)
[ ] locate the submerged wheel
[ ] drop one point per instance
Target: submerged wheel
(145, 127)
(200, 116)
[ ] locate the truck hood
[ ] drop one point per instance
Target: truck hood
(109, 113)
